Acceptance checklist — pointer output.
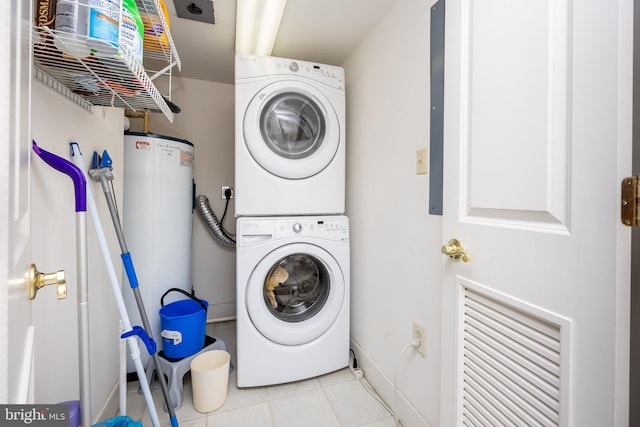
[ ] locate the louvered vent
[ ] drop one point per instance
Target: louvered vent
(511, 365)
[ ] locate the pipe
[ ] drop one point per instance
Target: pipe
(211, 221)
(139, 115)
(76, 155)
(80, 189)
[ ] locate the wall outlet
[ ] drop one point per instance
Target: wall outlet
(421, 161)
(419, 333)
(226, 187)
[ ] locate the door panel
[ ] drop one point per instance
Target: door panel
(537, 139)
(19, 326)
(515, 103)
(514, 359)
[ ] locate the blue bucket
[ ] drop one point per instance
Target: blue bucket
(183, 325)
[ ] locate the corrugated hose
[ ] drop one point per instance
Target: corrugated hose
(211, 221)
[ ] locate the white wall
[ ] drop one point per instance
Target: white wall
(207, 121)
(56, 122)
(395, 243)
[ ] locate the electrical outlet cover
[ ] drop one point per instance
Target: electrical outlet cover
(419, 333)
(421, 161)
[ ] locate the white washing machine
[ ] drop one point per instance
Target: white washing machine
(292, 298)
(290, 137)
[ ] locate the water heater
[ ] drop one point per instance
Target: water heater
(157, 222)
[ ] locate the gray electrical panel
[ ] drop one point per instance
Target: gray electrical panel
(436, 143)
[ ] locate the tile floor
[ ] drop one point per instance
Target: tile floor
(333, 400)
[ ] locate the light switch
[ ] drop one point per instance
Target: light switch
(421, 161)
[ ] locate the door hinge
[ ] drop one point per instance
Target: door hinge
(630, 203)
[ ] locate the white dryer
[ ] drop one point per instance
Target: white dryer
(290, 137)
(292, 298)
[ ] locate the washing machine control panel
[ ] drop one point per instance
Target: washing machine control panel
(322, 228)
(252, 231)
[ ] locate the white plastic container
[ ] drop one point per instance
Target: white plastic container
(104, 26)
(72, 27)
(132, 29)
(116, 24)
(157, 222)
(210, 380)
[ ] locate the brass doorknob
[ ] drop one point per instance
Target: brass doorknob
(38, 280)
(454, 249)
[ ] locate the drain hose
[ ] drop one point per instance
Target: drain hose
(211, 221)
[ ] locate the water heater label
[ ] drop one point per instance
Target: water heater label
(143, 145)
(186, 158)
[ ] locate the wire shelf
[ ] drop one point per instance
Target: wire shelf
(52, 83)
(114, 78)
(161, 46)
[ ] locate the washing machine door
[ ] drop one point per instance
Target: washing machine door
(291, 129)
(295, 294)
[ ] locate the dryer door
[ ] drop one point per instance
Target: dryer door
(291, 129)
(295, 294)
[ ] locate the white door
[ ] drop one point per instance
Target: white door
(16, 354)
(537, 140)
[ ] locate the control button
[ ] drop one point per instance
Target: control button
(293, 66)
(297, 227)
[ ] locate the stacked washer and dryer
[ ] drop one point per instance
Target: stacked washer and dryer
(292, 237)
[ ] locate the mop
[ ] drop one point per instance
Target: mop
(80, 187)
(128, 332)
(104, 175)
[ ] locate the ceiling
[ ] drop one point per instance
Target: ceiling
(325, 31)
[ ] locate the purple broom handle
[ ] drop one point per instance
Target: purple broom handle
(67, 168)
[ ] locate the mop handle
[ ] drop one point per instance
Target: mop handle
(69, 169)
(126, 255)
(130, 270)
(97, 175)
(76, 154)
(80, 187)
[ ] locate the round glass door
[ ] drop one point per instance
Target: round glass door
(291, 130)
(295, 294)
(292, 125)
(296, 288)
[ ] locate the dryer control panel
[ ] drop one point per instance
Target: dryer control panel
(251, 66)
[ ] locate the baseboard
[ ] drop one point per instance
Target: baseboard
(409, 416)
(110, 407)
(221, 311)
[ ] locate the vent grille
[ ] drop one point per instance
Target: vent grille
(511, 365)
